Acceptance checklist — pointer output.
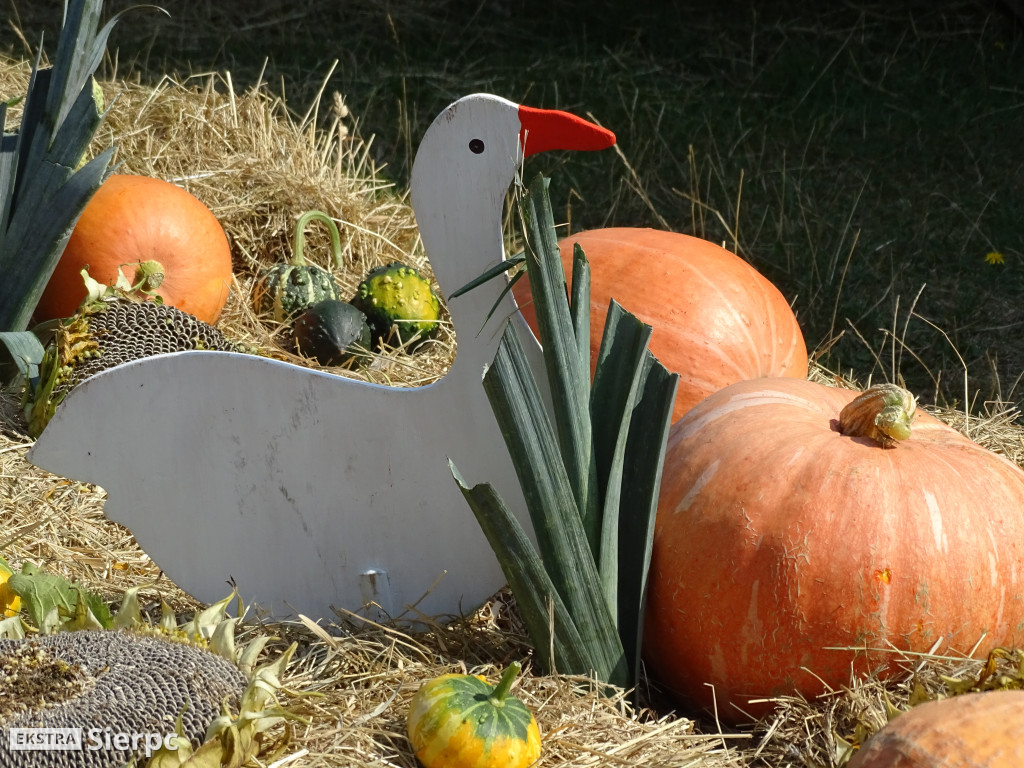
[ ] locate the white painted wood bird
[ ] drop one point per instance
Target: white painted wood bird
(309, 490)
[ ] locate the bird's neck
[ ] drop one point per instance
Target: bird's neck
(461, 245)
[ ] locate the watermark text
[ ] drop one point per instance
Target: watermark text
(93, 739)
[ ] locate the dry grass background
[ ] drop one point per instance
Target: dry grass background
(258, 165)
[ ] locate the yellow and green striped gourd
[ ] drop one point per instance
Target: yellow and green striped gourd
(461, 721)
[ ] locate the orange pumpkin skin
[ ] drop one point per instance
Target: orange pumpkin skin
(976, 730)
(716, 319)
(132, 219)
(777, 538)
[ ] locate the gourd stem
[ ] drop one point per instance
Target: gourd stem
(882, 413)
(501, 690)
(298, 259)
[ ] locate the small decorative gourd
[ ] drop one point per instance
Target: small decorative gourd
(460, 721)
(284, 290)
(331, 331)
(398, 296)
(10, 602)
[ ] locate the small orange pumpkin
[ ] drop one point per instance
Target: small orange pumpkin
(796, 520)
(134, 219)
(716, 319)
(976, 730)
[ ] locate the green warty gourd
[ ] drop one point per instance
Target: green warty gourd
(397, 298)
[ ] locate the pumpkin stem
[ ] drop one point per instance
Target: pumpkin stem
(882, 412)
(148, 277)
(298, 259)
(497, 697)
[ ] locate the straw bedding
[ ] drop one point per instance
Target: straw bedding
(258, 166)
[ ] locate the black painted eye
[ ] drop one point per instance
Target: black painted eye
(476, 146)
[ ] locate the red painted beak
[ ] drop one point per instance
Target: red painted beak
(546, 129)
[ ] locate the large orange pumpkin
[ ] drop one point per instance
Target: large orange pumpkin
(779, 539)
(716, 319)
(976, 730)
(133, 219)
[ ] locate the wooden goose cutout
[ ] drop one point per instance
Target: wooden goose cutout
(311, 490)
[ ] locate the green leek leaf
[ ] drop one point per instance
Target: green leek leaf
(41, 192)
(638, 507)
(564, 549)
(536, 597)
(579, 305)
(42, 240)
(613, 398)
(568, 373)
(490, 273)
(21, 352)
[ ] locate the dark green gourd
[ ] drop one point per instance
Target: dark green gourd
(332, 332)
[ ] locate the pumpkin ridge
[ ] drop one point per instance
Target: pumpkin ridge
(741, 401)
(709, 383)
(778, 360)
(737, 320)
(955, 474)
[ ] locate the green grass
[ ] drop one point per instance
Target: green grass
(853, 153)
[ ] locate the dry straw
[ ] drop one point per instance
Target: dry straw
(258, 167)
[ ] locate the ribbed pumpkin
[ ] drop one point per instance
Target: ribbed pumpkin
(716, 319)
(976, 730)
(461, 721)
(780, 538)
(133, 219)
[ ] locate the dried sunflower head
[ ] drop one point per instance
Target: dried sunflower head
(190, 684)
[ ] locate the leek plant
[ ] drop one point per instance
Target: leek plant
(590, 466)
(43, 185)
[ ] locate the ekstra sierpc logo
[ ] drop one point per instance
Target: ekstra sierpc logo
(74, 740)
